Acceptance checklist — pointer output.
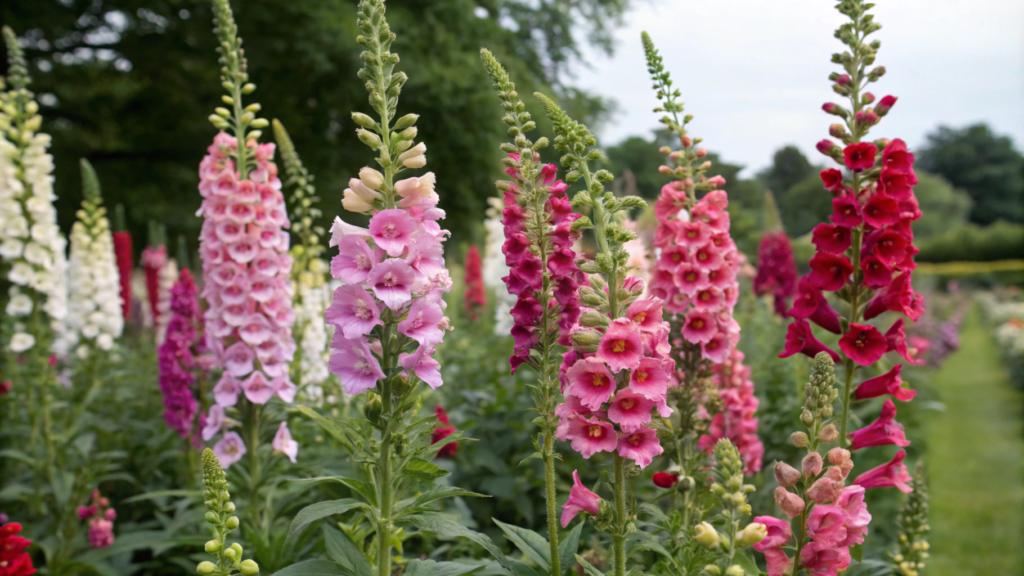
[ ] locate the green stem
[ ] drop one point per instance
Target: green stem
(619, 537)
(549, 485)
(254, 461)
(386, 489)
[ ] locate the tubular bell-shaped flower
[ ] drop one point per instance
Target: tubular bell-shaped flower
(865, 255)
(543, 278)
(244, 251)
(95, 309)
(179, 361)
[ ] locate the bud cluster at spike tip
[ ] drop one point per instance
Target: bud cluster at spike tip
(246, 269)
(101, 516)
(526, 270)
(736, 420)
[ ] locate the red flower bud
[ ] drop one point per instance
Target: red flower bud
(665, 479)
(885, 104)
(867, 98)
(844, 80)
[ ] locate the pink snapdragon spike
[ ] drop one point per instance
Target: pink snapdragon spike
(101, 518)
(581, 499)
(246, 269)
(736, 421)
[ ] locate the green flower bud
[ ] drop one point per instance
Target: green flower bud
(249, 568)
(238, 549)
(212, 517)
(594, 319)
(752, 534)
(406, 121)
(364, 120)
(372, 408)
(248, 88)
(706, 535)
(230, 553)
(247, 117)
(229, 507)
(586, 341)
(206, 567)
(212, 546)
(254, 107)
(232, 523)
(34, 123)
(799, 439)
(712, 570)
(32, 107)
(222, 112)
(734, 570)
(409, 133)
(260, 123)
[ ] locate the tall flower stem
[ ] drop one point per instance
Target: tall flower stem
(619, 537)
(386, 492)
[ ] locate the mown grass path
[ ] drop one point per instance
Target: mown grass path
(976, 464)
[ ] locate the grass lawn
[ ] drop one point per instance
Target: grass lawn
(976, 464)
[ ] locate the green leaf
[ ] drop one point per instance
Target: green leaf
(747, 562)
(857, 552)
(410, 505)
(345, 553)
(424, 471)
(640, 540)
(431, 568)
(534, 545)
(162, 494)
(447, 526)
(567, 548)
(332, 427)
(312, 568)
(654, 512)
(587, 567)
(315, 512)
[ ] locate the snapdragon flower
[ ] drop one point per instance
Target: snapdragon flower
(96, 314)
(31, 243)
(865, 255)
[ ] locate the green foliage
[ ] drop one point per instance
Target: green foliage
(999, 241)
(983, 164)
(789, 167)
(804, 206)
(943, 206)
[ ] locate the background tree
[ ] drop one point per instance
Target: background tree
(128, 84)
(789, 167)
(984, 164)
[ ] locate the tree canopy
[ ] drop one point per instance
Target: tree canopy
(129, 84)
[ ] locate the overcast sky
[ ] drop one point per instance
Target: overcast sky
(754, 73)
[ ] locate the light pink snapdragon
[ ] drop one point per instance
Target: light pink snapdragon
(246, 268)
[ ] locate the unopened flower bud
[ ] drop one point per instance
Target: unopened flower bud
(786, 475)
(877, 73)
(229, 507)
(368, 138)
(371, 178)
(705, 534)
(884, 105)
(212, 546)
(249, 568)
(206, 567)
(238, 549)
(806, 417)
(409, 133)
(687, 141)
(828, 434)
(230, 553)
(665, 479)
(752, 534)
(867, 98)
(594, 319)
(799, 439)
(829, 148)
(406, 121)
(664, 169)
(364, 120)
(812, 465)
(712, 570)
(734, 570)
(586, 341)
(844, 80)
(837, 130)
(867, 117)
(665, 150)
(232, 523)
(372, 408)
(414, 157)
(791, 504)
(212, 517)
(823, 490)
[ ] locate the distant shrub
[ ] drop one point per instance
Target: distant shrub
(999, 241)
